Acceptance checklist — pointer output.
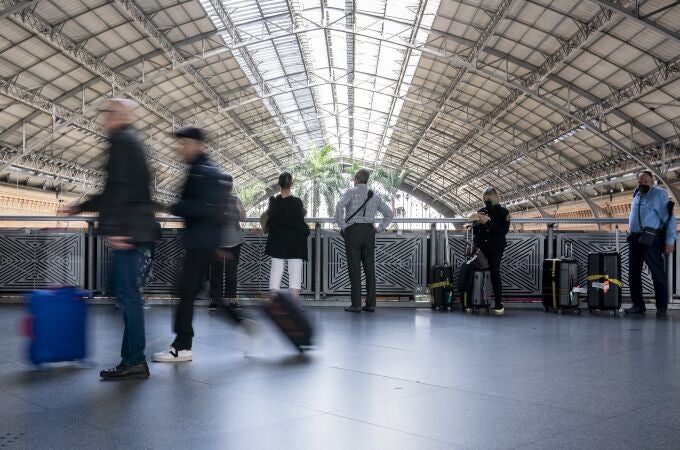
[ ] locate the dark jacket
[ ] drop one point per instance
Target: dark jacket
(124, 206)
(492, 234)
(202, 205)
(287, 228)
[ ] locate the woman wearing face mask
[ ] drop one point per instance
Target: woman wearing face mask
(491, 224)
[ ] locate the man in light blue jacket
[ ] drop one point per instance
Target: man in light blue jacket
(651, 228)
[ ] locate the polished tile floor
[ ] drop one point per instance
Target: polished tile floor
(397, 379)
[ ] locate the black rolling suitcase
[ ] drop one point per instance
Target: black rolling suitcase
(605, 289)
(560, 277)
(441, 282)
(291, 320)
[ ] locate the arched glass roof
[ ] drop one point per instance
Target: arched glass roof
(550, 100)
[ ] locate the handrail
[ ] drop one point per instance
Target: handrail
(543, 220)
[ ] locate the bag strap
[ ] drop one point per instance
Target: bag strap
(363, 205)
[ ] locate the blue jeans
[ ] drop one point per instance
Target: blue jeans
(126, 266)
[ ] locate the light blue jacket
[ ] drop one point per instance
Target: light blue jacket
(653, 207)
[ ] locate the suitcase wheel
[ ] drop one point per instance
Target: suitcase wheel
(433, 306)
(560, 311)
(613, 312)
(578, 311)
(546, 309)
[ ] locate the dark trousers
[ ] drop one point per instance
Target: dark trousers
(125, 267)
(494, 256)
(652, 255)
(223, 275)
(194, 270)
(360, 249)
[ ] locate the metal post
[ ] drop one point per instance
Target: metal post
(90, 257)
(669, 277)
(317, 262)
(433, 244)
(551, 239)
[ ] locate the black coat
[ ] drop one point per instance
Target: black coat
(202, 205)
(124, 205)
(491, 235)
(287, 228)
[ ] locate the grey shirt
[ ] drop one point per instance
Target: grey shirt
(231, 232)
(352, 200)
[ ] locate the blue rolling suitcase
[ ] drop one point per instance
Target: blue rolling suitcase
(56, 325)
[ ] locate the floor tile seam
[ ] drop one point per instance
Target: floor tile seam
(385, 427)
(648, 423)
(389, 377)
(31, 402)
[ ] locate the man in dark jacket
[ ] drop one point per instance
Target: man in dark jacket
(491, 224)
(126, 220)
(202, 206)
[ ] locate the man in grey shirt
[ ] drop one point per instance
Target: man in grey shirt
(355, 215)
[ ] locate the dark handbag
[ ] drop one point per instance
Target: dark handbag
(648, 236)
(481, 262)
(363, 205)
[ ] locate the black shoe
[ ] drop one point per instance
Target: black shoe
(635, 310)
(661, 312)
(125, 372)
(354, 309)
(368, 308)
(213, 306)
(499, 309)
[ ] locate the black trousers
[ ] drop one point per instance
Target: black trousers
(652, 255)
(494, 256)
(224, 275)
(194, 270)
(360, 249)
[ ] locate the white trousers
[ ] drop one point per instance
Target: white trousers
(294, 273)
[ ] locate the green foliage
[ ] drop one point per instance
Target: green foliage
(249, 193)
(319, 178)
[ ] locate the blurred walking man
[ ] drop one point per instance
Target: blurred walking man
(126, 220)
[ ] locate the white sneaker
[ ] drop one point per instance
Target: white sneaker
(173, 355)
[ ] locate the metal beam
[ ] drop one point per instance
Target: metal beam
(16, 7)
(154, 34)
(462, 70)
(71, 48)
(583, 118)
(531, 81)
(617, 7)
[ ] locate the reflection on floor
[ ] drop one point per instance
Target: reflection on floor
(396, 379)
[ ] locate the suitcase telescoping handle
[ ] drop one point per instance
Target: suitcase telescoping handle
(617, 238)
(446, 246)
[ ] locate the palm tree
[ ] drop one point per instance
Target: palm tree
(250, 194)
(319, 179)
(390, 180)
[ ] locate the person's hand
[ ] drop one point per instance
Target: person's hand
(668, 249)
(119, 242)
(483, 218)
(474, 217)
(68, 210)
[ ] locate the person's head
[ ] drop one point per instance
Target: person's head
(286, 181)
(361, 177)
(645, 181)
(192, 143)
(491, 197)
(117, 114)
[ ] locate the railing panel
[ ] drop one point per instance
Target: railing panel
(253, 269)
(36, 259)
(584, 243)
(400, 264)
(521, 265)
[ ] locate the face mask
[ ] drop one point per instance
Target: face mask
(643, 188)
(488, 204)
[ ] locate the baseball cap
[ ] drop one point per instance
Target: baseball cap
(191, 133)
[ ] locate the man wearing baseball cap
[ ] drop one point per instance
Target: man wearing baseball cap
(202, 205)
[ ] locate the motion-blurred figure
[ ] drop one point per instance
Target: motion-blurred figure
(203, 207)
(126, 220)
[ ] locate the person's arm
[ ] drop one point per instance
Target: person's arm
(241, 209)
(340, 209)
(387, 214)
(669, 221)
(499, 222)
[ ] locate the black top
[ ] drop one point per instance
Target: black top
(124, 205)
(492, 234)
(202, 205)
(287, 228)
